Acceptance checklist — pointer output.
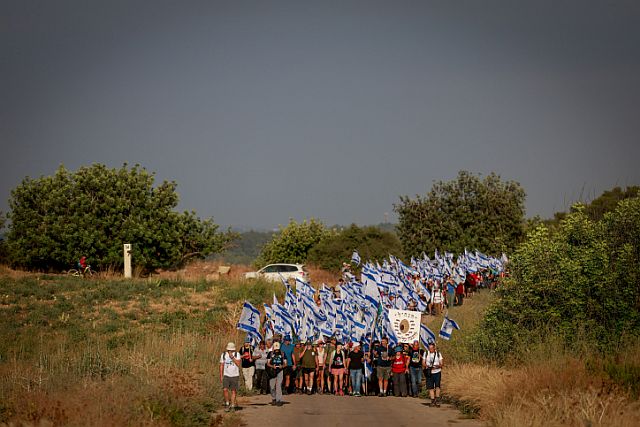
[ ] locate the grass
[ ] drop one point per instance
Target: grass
(105, 351)
(546, 384)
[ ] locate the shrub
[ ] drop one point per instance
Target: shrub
(581, 281)
(371, 243)
(293, 242)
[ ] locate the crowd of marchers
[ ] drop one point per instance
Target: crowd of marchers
(279, 367)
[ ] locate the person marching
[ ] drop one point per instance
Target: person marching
(399, 368)
(308, 363)
(230, 376)
(248, 364)
(355, 364)
(382, 355)
(260, 357)
(276, 362)
(433, 363)
(337, 362)
(415, 367)
(321, 356)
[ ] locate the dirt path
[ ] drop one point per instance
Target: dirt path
(327, 411)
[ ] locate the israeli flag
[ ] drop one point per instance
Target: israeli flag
(355, 258)
(426, 336)
(367, 369)
(447, 328)
(303, 287)
(249, 319)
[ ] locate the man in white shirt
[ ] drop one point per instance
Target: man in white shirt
(432, 362)
(230, 375)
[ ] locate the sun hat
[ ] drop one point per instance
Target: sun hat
(231, 347)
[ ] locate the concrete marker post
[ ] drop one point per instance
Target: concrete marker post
(127, 260)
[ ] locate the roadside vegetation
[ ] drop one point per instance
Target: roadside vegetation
(558, 343)
(102, 351)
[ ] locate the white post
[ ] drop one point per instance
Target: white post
(127, 260)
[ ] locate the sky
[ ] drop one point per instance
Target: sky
(263, 111)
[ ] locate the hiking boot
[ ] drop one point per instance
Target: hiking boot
(279, 403)
(437, 403)
(273, 402)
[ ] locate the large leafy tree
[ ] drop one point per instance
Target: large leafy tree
(292, 243)
(94, 210)
(581, 281)
(467, 212)
(371, 242)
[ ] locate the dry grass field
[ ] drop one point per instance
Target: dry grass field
(106, 352)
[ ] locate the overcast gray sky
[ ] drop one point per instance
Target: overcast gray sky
(265, 110)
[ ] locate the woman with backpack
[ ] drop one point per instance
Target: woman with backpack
(276, 362)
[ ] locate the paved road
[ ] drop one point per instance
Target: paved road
(327, 411)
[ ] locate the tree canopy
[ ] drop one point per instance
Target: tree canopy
(371, 243)
(95, 210)
(467, 212)
(293, 242)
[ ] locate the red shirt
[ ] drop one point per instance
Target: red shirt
(399, 365)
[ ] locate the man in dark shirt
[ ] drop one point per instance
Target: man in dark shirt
(355, 365)
(383, 355)
(248, 364)
(415, 367)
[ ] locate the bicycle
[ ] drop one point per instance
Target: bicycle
(87, 271)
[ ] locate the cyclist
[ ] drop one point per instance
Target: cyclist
(83, 266)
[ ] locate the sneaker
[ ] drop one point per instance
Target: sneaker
(279, 403)
(433, 402)
(437, 403)
(380, 395)
(273, 402)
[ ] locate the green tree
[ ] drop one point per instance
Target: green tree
(583, 280)
(485, 214)
(93, 211)
(371, 243)
(293, 242)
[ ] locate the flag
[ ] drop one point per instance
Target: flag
(355, 258)
(249, 319)
(447, 328)
(426, 336)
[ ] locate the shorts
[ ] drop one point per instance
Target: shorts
(337, 371)
(287, 370)
(383, 372)
(230, 383)
(433, 380)
(308, 370)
